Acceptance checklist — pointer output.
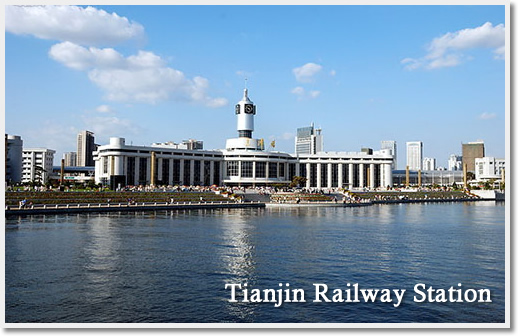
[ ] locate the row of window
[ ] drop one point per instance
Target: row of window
(199, 176)
(275, 169)
(160, 152)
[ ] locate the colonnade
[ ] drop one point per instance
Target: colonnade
(348, 173)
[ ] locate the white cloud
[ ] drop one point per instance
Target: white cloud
(303, 94)
(86, 26)
(486, 116)
(104, 109)
(299, 91)
(287, 136)
(314, 94)
(109, 126)
(445, 51)
(332, 73)
(244, 74)
(143, 77)
(499, 53)
(307, 72)
(58, 137)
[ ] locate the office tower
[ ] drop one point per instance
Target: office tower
(414, 155)
(85, 147)
(455, 162)
(308, 140)
(429, 163)
(470, 152)
(70, 159)
(13, 158)
(391, 144)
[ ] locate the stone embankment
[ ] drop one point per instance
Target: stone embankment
(105, 207)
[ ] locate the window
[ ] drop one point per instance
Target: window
(281, 169)
(187, 172)
(291, 171)
(246, 169)
(142, 171)
(260, 169)
(130, 177)
(323, 174)
(216, 172)
(302, 170)
(206, 173)
(272, 169)
(176, 172)
(313, 175)
(197, 176)
(232, 168)
(345, 174)
(165, 171)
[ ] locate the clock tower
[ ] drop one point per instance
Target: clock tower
(245, 112)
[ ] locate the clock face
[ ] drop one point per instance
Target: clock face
(237, 109)
(249, 108)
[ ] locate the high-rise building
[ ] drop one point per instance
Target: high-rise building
(193, 144)
(470, 152)
(13, 158)
(429, 163)
(85, 148)
(70, 159)
(414, 155)
(391, 144)
(37, 164)
(308, 140)
(455, 162)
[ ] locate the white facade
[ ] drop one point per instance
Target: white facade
(309, 140)
(13, 167)
(429, 164)
(243, 163)
(118, 163)
(392, 146)
(455, 162)
(489, 168)
(37, 164)
(414, 155)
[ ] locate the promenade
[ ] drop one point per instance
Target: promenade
(46, 203)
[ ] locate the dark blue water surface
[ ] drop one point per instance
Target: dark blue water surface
(172, 266)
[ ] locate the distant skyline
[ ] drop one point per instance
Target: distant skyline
(362, 74)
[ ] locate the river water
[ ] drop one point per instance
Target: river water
(172, 266)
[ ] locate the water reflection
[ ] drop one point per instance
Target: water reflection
(100, 259)
(238, 258)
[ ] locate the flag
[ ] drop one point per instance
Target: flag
(272, 144)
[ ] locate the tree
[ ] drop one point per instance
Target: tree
(298, 181)
(38, 174)
(470, 176)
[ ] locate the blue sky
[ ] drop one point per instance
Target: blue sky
(167, 73)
